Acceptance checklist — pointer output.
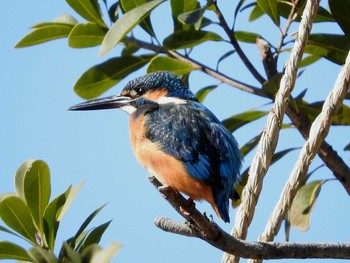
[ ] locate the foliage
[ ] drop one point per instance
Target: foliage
(29, 215)
(173, 53)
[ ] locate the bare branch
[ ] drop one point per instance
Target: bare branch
(199, 226)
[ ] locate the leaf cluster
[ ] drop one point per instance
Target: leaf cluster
(29, 214)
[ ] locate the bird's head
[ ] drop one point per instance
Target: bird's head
(155, 88)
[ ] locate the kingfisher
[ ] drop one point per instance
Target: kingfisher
(177, 139)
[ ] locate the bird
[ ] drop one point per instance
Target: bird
(177, 139)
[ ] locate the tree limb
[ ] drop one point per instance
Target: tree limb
(200, 226)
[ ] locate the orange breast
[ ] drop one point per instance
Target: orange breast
(169, 170)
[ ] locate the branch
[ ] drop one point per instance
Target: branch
(237, 47)
(210, 232)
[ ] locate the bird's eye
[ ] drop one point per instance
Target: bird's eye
(136, 92)
(140, 91)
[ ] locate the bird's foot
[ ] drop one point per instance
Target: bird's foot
(188, 207)
(166, 191)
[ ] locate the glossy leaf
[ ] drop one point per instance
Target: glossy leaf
(41, 255)
(342, 117)
(256, 13)
(95, 254)
(98, 79)
(19, 177)
(62, 19)
(272, 85)
(169, 64)
(51, 215)
(179, 7)
(247, 37)
(86, 35)
(340, 11)
(330, 46)
(128, 5)
(10, 250)
(125, 24)
(193, 17)
(71, 196)
(187, 39)
(223, 57)
(70, 255)
(84, 225)
(37, 190)
(307, 61)
(250, 145)
(45, 33)
(203, 92)
(95, 235)
(303, 203)
(270, 8)
(88, 9)
(241, 119)
(15, 214)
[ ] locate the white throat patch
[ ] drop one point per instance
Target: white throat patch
(127, 108)
(165, 100)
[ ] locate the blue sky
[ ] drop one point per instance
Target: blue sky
(36, 86)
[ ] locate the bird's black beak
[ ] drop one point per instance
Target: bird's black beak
(115, 101)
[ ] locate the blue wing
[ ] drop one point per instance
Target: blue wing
(192, 133)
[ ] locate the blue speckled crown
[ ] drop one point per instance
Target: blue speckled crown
(161, 80)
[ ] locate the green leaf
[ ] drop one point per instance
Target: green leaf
(51, 215)
(223, 57)
(179, 7)
(19, 177)
(10, 250)
(45, 33)
(67, 254)
(62, 19)
(95, 235)
(256, 13)
(342, 117)
(88, 9)
(98, 79)
(71, 196)
(15, 214)
(37, 190)
(340, 11)
(330, 46)
(41, 255)
(308, 60)
(84, 225)
(247, 37)
(241, 119)
(187, 39)
(203, 92)
(4, 229)
(303, 203)
(250, 145)
(272, 85)
(193, 17)
(128, 5)
(279, 155)
(104, 255)
(125, 24)
(86, 35)
(270, 8)
(169, 64)
(238, 8)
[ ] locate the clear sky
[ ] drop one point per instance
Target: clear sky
(36, 90)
